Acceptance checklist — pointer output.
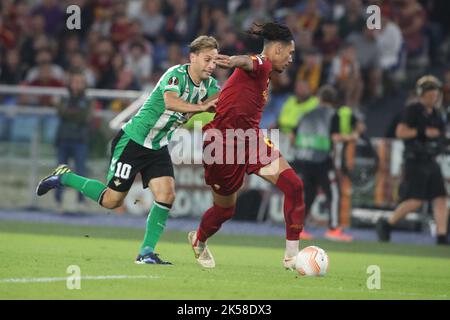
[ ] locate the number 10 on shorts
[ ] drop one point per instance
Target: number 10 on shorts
(123, 170)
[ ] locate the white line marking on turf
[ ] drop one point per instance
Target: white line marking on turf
(55, 279)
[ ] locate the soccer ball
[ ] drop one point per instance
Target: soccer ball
(312, 261)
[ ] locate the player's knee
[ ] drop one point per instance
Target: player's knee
(110, 201)
(229, 212)
(226, 213)
(166, 196)
(297, 187)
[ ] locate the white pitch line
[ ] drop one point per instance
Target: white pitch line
(55, 279)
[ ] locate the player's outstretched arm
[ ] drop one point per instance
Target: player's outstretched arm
(243, 62)
(174, 103)
(215, 96)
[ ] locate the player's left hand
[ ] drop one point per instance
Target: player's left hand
(223, 61)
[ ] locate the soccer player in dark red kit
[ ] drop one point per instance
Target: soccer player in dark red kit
(239, 108)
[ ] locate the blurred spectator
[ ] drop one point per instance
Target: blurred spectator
(322, 7)
(44, 79)
(177, 23)
(91, 42)
(296, 106)
(309, 18)
(303, 40)
(221, 22)
(353, 19)
(174, 56)
(77, 61)
(73, 132)
(139, 63)
(122, 79)
(70, 43)
(7, 37)
(120, 29)
(164, 27)
(392, 60)
(101, 62)
(390, 41)
(255, 12)
(311, 69)
(329, 42)
(11, 71)
(202, 18)
(44, 56)
(34, 37)
(345, 75)
(291, 22)
(54, 16)
(411, 18)
(368, 55)
(135, 35)
(19, 18)
(230, 44)
(151, 18)
(103, 18)
(160, 51)
(437, 28)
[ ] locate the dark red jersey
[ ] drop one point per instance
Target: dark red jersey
(242, 99)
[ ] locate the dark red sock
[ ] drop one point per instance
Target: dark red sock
(212, 221)
(294, 205)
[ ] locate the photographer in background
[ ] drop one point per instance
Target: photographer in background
(423, 130)
(74, 112)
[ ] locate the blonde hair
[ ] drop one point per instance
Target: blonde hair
(203, 42)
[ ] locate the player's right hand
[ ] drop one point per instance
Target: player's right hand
(209, 106)
(223, 61)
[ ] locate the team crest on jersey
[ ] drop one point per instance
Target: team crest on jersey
(173, 81)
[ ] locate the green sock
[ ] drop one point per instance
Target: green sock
(156, 222)
(92, 189)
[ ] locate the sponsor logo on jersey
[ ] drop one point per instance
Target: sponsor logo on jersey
(173, 81)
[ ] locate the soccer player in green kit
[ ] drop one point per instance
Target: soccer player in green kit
(141, 145)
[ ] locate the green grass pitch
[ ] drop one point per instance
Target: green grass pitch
(34, 258)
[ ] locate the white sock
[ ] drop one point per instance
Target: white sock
(291, 248)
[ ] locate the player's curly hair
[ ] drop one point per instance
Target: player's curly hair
(271, 31)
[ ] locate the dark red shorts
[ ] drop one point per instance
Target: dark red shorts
(226, 162)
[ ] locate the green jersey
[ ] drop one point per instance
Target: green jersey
(153, 125)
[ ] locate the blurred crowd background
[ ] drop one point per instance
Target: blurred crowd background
(128, 44)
